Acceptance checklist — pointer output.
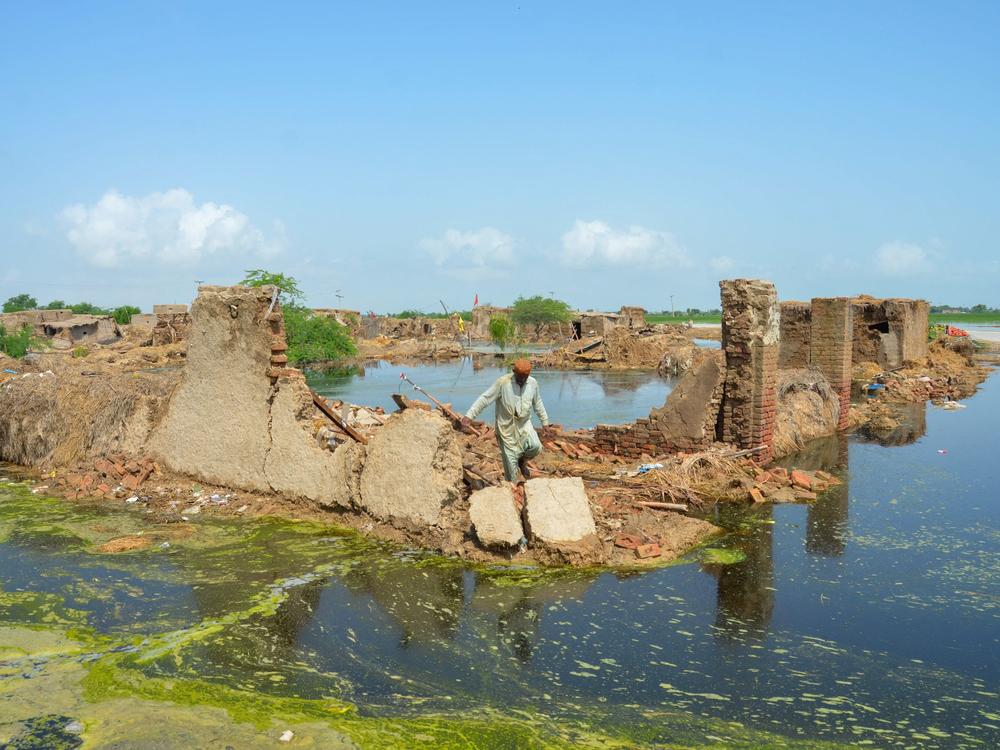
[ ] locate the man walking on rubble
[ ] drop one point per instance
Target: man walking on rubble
(516, 395)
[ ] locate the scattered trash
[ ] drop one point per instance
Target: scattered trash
(132, 499)
(286, 736)
(193, 510)
(952, 405)
(648, 467)
(74, 727)
(943, 451)
(242, 508)
(164, 545)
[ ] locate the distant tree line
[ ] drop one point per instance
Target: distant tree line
(978, 309)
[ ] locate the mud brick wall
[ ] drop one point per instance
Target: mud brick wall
(832, 346)
(685, 423)
(795, 328)
(909, 319)
(750, 334)
(890, 331)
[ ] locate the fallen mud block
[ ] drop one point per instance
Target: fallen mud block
(495, 517)
(413, 468)
(557, 511)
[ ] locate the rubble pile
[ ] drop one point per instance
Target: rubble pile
(625, 349)
(781, 485)
(944, 375)
(170, 328)
(114, 475)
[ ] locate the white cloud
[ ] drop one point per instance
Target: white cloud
(167, 227)
(590, 243)
(902, 259)
(722, 263)
(471, 255)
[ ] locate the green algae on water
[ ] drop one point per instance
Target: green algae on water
(722, 556)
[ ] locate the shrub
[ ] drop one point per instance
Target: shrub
(310, 338)
(315, 338)
(80, 352)
(502, 331)
(16, 344)
(123, 315)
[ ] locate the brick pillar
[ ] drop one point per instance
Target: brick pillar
(831, 345)
(750, 321)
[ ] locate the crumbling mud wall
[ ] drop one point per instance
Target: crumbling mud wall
(796, 334)
(831, 348)
(890, 332)
(686, 422)
(241, 418)
(750, 333)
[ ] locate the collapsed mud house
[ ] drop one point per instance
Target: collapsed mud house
(63, 329)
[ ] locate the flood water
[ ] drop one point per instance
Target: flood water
(572, 398)
(868, 618)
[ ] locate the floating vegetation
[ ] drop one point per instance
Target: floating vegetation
(722, 556)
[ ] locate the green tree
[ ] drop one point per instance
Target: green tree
(123, 315)
(20, 302)
(289, 287)
(86, 308)
(502, 331)
(979, 309)
(56, 304)
(537, 311)
(310, 337)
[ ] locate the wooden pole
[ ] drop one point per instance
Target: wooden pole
(322, 406)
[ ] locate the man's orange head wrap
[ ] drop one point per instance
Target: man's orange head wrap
(522, 368)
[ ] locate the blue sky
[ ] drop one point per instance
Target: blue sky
(609, 153)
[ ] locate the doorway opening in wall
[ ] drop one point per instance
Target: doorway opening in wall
(577, 329)
(882, 327)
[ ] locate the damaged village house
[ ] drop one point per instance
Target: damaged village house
(236, 416)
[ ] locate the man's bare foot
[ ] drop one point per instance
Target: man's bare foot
(522, 464)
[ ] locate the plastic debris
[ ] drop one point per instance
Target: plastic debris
(286, 736)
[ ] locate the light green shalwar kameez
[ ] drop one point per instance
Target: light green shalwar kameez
(515, 434)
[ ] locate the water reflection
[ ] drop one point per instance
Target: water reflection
(574, 398)
(426, 607)
(912, 426)
(745, 590)
(515, 611)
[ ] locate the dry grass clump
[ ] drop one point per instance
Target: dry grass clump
(57, 420)
(807, 408)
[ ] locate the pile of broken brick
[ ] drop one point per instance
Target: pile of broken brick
(110, 476)
(779, 485)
